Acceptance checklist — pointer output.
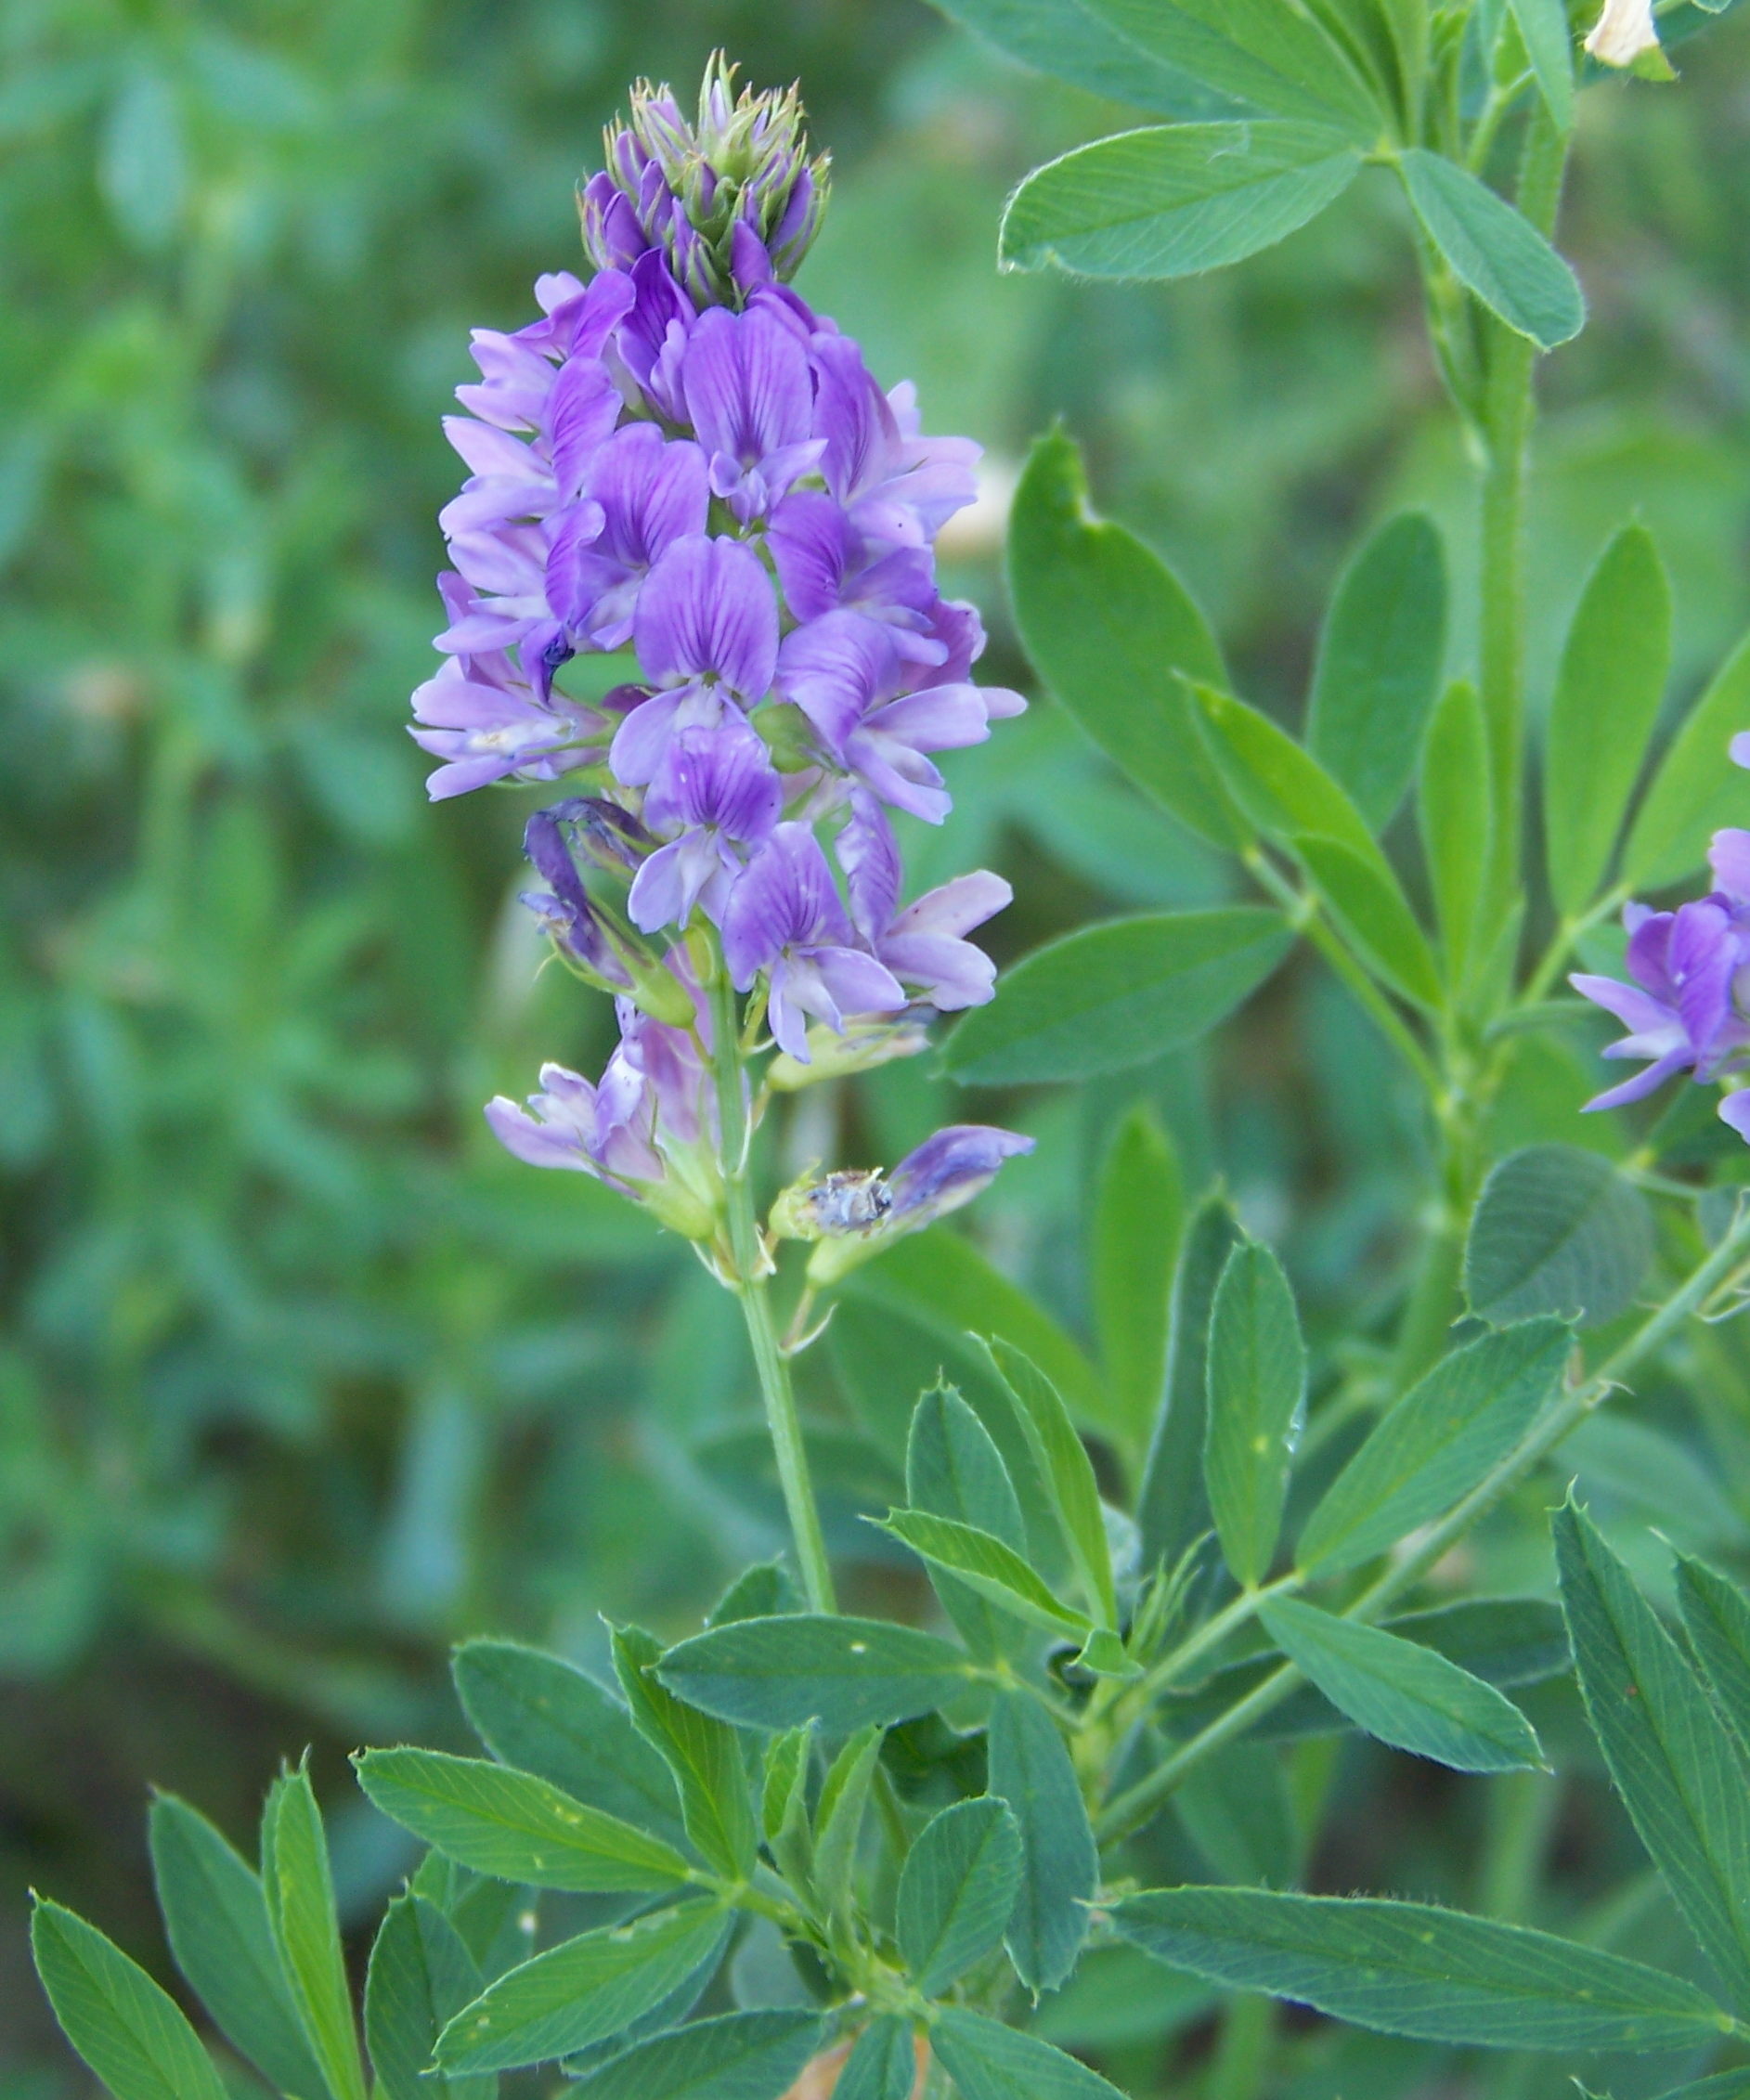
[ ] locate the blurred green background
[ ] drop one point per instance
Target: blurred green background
(300, 1378)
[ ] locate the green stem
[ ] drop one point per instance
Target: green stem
(1132, 1808)
(1305, 914)
(1508, 409)
(1242, 2054)
(748, 1279)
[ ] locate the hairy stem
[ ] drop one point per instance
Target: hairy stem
(1132, 1808)
(749, 1280)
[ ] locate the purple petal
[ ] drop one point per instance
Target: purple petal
(869, 854)
(950, 1169)
(1728, 856)
(1738, 749)
(835, 668)
(857, 983)
(1735, 1109)
(747, 384)
(706, 611)
(720, 777)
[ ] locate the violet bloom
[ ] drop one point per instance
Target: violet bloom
(847, 676)
(602, 1130)
(642, 494)
(894, 485)
(718, 791)
(481, 717)
(854, 1216)
(824, 563)
(564, 908)
(750, 397)
(783, 916)
(706, 626)
(1690, 969)
(924, 944)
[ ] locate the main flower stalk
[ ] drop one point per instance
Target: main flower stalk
(694, 580)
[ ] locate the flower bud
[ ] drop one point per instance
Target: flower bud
(732, 199)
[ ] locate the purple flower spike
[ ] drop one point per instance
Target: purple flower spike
(643, 494)
(717, 789)
(924, 945)
(783, 916)
(751, 400)
(707, 625)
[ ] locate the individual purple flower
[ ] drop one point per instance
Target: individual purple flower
(481, 717)
(783, 917)
(1688, 968)
(564, 908)
(602, 1130)
(853, 1216)
(895, 485)
(750, 397)
(706, 626)
(847, 676)
(924, 944)
(642, 494)
(717, 790)
(824, 563)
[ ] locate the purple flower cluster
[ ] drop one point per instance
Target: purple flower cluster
(1688, 1008)
(681, 467)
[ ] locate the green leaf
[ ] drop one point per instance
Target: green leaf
(989, 2061)
(1369, 903)
(420, 1977)
(1556, 1230)
(1493, 249)
(956, 1890)
(1058, 37)
(514, 1826)
(1717, 1618)
(585, 1991)
(1696, 790)
(1543, 25)
(736, 2057)
(1257, 1389)
(954, 1469)
(1504, 1640)
(543, 1716)
(1118, 994)
(132, 2035)
(1606, 701)
(1437, 1444)
(1173, 1507)
(1284, 790)
(762, 1592)
(1257, 50)
(1403, 1694)
(704, 1757)
(300, 1897)
(882, 2065)
(1454, 814)
(984, 1564)
(843, 1672)
(1675, 1764)
(1411, 1969)
(942, 1278)
(839, 1820)
(216, 1919)
(1138, 1217)
(1065, 1471)
(1175, 199)
(1107, 626)
(1030, 1770)
(1379, 665)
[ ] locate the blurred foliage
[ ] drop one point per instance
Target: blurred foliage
(301, 1378)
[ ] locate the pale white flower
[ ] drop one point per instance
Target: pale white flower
(1623, 32)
